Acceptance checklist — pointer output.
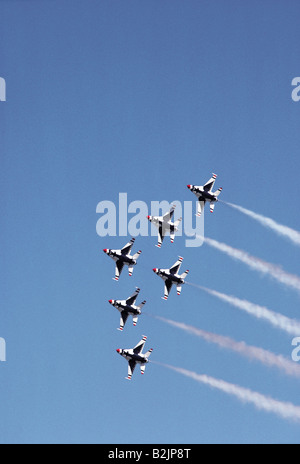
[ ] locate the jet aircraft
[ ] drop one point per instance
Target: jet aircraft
(204, 193)
(171, 277)
(128, 308)
(164, 224)
(122, 257)
(135, 356)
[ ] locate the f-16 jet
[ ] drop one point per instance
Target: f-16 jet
(171, 277)
(128, 308)
(204, 193)
(122, 257)
(135, 356)
(164, 224)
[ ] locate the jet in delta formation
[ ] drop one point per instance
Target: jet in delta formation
(204, 193)
(122, 257)
(128, 308)
(135, 356)
(164, 224)
(171, 277)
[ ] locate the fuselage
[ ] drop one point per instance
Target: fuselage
(159, 222)
(200, 192)
(134, 310)
(166, 275)
(132, 356)
(117, 255)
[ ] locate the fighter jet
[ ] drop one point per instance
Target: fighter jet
(123, 257)
(135, 356)
(171, 276)
(204, 193)
(128, 308)
(164, 224)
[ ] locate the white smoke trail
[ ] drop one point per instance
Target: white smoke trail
(251, 352)
(284, 231)
(290, 280)
(286, 410)
(290, 326)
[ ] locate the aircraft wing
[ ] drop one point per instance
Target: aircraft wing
(123, 319)
(168, 286)
(131, 367)
(210, 184)
(127, 248)
(119, 269)
(168, 216)
(161, 235)
(175, 268)
(200, 208)
(131, 300)
(139, 347)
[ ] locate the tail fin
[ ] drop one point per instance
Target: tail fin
(217, 193)
(148, 353)
(176, 223)
(137, 255)
(183, 276)
(142, 304)
(130, 270)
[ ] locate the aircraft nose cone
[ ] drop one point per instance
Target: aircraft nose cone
(148, 217)
(154, 270)
(188, 186)
(118, 350)
(105, 250)
(110, 301)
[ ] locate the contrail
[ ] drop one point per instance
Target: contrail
(251, 352)
(290, 326)
(290, 280)
(284, 231)
(285, 410)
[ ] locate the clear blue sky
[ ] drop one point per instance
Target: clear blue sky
(142, 97)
